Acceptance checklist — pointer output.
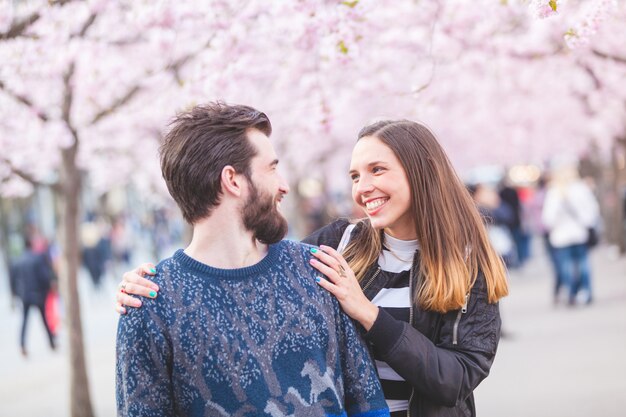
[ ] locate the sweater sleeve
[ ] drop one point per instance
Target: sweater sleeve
(445, 373)
(143, 365)
(363, 392)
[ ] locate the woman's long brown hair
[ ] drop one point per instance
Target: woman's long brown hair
(454, 245)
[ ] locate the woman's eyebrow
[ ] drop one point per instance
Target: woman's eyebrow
(369, 165)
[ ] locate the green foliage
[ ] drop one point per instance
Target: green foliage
(552, 4)
(342, 47)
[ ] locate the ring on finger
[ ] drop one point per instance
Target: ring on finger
(123, 286)
(342, 271)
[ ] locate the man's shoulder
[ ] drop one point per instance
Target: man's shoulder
(291, 250)
(166, 269)
(294, 246)
(167, 272)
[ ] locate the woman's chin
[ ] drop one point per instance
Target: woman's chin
(377, 223)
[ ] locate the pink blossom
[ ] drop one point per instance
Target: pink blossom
(544, 8)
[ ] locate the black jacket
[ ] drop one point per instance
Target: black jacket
(31, 276)
(443, 356)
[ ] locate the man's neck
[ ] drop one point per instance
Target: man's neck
(221, 241)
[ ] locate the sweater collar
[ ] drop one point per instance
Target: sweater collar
(260, 267)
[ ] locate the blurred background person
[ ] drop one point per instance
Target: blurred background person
(499, 219)
(570, 209)
(510, 197)
(537, 227)
(96, 249)
(32, 277)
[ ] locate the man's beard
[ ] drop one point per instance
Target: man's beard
(261, 216)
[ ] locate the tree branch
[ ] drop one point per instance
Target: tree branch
(174, 67)
(18, 28)
(594, 77)
(24, 100)
(88, 23)
(132, 92)
(603, 55)
(68, 98)
(25, 175)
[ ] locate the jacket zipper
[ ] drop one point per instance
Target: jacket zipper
(371, 279)
(408, 410)
(455, 330)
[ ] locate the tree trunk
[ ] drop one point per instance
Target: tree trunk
(4, 246)
(618, 162)
(80, 400)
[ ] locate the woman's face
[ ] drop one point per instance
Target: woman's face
(381, 188)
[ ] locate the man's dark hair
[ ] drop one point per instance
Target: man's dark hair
(197, 147)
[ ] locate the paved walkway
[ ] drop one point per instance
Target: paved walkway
(556, 361)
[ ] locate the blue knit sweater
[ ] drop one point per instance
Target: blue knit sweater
(261, 340)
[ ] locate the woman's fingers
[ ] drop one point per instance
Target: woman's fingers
(331, 273)
(328, 260)
(120, 309)
(148, 268)
(127, 300)
(335, 290)
(133, 282)
(332, 252)
(138, 289)
(136, 276)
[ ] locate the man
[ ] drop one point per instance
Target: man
(240, 326)
(32, 278)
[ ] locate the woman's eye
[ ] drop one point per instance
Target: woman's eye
(354, 178)
(376, 170)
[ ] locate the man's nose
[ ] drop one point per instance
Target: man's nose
(283, 188)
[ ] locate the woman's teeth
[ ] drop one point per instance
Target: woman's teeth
(371, 205)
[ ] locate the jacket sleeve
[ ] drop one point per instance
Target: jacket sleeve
(143, 381)
(363, 392)
(443, 372)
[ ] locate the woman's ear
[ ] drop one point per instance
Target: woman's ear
(232, 182)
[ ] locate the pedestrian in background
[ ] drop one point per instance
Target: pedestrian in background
(32, 277)
(498, 217)
(509, 195)
(537, 227)
(570, 210)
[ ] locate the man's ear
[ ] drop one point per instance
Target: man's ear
(232, 181)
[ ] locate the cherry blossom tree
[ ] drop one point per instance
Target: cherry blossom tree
(87, 87)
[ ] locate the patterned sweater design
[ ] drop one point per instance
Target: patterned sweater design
(261, 340)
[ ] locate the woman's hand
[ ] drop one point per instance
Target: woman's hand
(343, 285)
(133, 282)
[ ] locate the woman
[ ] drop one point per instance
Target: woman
(570, 212)
(418, 274)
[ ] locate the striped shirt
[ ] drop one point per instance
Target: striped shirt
(395, 263)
